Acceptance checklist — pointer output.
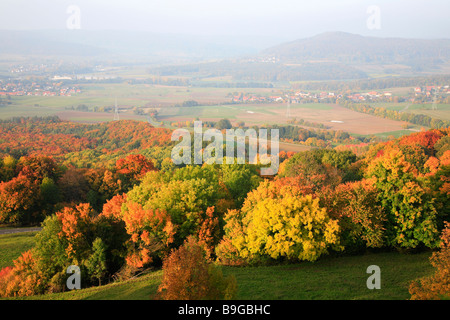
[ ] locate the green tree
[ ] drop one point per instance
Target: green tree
(240, 179)
(412, 217)
(96, 263)
(50, 192)
(223, 124)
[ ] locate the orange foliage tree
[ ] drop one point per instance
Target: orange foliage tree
(19, 200)
(436, 286)
(151, 234)
(23, 279)
(209, 232)
(189, 276)
(76, 226)
(134, 167)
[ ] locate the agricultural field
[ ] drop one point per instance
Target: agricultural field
(211, 108)
(439, 111)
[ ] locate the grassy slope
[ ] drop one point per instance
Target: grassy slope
(327, 279)
(333, 278)
(330, 278)
(12, 246)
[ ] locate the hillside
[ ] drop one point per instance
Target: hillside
(126, 45)
(329, 56)
(341, 47)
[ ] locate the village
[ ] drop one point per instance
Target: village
(31, 88)
(424, 94)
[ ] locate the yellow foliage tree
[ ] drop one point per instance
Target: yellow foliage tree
(286, 224)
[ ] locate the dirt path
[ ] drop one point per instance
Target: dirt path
(19, 230)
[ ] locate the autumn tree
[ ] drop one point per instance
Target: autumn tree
(78, 236)
(361, 218)
(185, 195)
(228, 249)
(7, 168)
(151, 233)
(189, 276)
(133, 168)
(425, 139)
(103, 185)
(442, 145)
(38, 167)
(320, 167)
(437, 286)
(209, 232)
(19, 200)
(73, 185)
(412, 217)
(286, 224)
(23, 279)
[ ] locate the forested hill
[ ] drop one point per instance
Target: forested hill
(83, 145)
(351, 48)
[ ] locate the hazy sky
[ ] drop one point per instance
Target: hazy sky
(287, 18)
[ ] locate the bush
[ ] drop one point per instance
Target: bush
(189, 276)
(438, 285)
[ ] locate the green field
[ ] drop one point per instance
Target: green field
(395, 134)
(341, 278)
(12, 246)
(330, 278)
(438, 111)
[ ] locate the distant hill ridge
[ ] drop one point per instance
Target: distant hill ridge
(351, 48)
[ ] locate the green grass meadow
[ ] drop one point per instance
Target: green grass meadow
(12, 246)
(329, 278)
(341, 278)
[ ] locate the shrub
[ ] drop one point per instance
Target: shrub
(438, 285)
(189, 276)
